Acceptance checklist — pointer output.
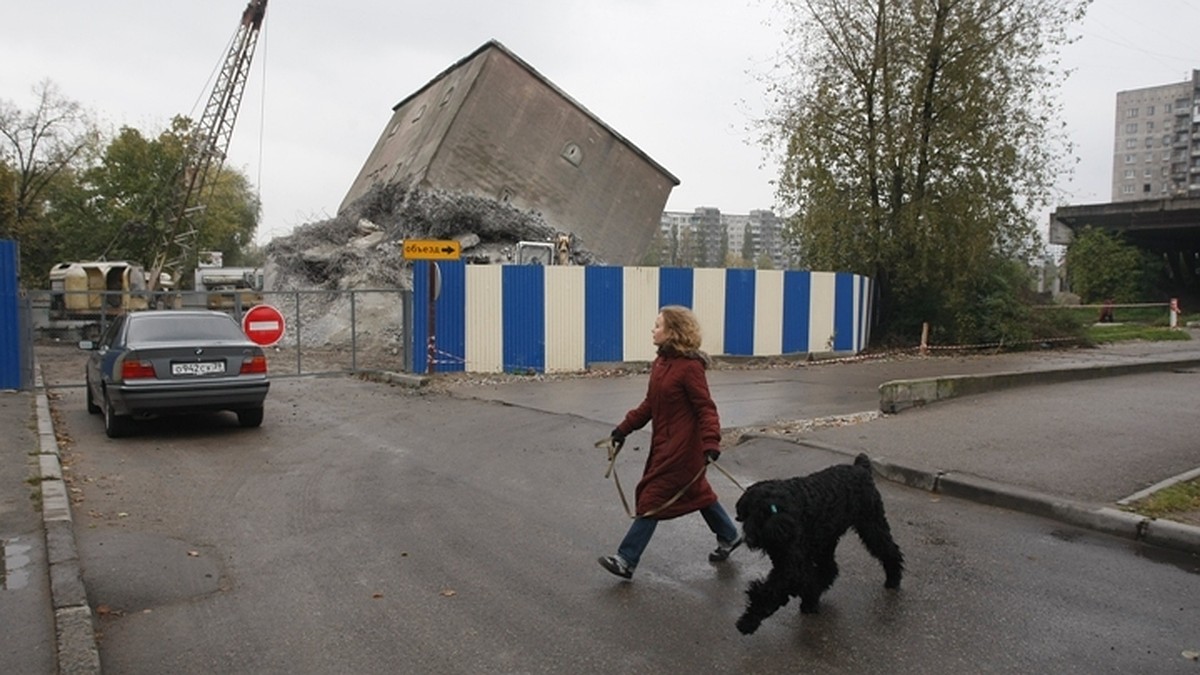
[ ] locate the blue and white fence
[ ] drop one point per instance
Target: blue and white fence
(505, 318)
(12, 345)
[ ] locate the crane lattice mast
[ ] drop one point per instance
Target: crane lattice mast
(208, 144)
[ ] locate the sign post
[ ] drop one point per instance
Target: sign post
(432, 250)
(263, 324)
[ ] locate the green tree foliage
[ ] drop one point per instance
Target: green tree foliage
(918, 140)
(1101, 266)
(126, 206)
(67, 193)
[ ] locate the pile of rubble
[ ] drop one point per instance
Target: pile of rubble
(362, 248)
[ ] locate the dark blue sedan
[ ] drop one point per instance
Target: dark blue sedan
(153, 363)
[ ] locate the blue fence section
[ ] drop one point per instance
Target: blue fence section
(11, 346)
(604, 324)
(533, 318)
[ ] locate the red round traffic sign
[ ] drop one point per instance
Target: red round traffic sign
(263, 324)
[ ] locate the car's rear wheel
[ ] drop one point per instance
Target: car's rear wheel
(115, 426)
(92, 408)
(250, 417)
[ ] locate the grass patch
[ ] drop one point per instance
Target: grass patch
(1130, 331)
(1178, 498)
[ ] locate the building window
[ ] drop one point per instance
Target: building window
(1149, 142)
(1129, 174)
(1131, 128)
(1130, 143)
(1149, 127)
(1131, 112)
(1146, 188)
(1130, 159)
(1167, 141)
(1126, 189)
(1149, 111)
(1149, 156)
(1147, 173)
(572, 153)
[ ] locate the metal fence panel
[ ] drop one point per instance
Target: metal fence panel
(326, 331)
(14, 344)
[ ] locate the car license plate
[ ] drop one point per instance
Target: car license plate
(198, 368)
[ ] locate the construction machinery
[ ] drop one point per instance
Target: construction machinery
(225, 288)
(207, 147)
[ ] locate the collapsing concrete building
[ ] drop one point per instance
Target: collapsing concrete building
(492, 126)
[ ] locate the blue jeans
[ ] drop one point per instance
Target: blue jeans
(642, 529)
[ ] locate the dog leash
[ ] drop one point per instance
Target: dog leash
(615, 448)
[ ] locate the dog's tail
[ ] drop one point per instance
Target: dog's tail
(863, 461)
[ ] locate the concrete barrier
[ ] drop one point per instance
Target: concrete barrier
(898, 395)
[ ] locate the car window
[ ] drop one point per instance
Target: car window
(110, 333)
(168, 328)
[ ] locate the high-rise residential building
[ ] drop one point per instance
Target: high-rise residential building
(1156, 153)
(708, 238)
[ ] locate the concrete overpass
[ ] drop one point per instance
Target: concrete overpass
(1166, 227)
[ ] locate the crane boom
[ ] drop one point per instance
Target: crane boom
(206, 149)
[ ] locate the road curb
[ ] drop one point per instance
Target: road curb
(74, 623)
(1097, 517)
(898, 395)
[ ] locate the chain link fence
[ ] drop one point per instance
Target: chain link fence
(326, 331)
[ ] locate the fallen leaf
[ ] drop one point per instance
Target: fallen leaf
(1192, 655)
(448, 592)
(376, 596)
(122, 515)
(194, 554)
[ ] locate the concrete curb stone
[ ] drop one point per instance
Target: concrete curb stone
(75, 628)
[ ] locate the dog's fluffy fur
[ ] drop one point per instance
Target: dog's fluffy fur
(797, 523)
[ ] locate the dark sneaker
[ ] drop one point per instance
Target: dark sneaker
(617, 565)
(723, 550)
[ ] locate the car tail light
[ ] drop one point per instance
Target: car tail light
(255, 365)
(133, 369)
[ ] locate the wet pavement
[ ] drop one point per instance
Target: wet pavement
(1069, 448)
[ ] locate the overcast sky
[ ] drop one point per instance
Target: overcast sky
(678, 78)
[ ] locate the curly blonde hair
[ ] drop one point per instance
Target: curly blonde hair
(682, 327)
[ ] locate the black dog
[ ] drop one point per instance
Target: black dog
(797, 522)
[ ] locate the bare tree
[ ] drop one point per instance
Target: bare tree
(39, 145)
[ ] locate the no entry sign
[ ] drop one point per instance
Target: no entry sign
(263, 324)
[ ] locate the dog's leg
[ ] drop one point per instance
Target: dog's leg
(820, 578)
(765, 597)
(877, 537)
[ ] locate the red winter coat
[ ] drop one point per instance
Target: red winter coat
(685, 425)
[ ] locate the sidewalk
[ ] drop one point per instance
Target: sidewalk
(47, 624)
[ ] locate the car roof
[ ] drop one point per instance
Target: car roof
(177, 313)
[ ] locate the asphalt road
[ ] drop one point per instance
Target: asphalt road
(368, 528)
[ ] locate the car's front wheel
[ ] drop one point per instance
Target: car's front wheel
(250, 417)
(115, 426)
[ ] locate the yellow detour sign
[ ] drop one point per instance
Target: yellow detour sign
(432, 249)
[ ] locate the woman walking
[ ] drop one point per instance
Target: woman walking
(686, 435)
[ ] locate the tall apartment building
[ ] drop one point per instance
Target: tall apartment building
(1156, 154)
(706, 238)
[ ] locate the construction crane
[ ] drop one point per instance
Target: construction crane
(206, 149)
